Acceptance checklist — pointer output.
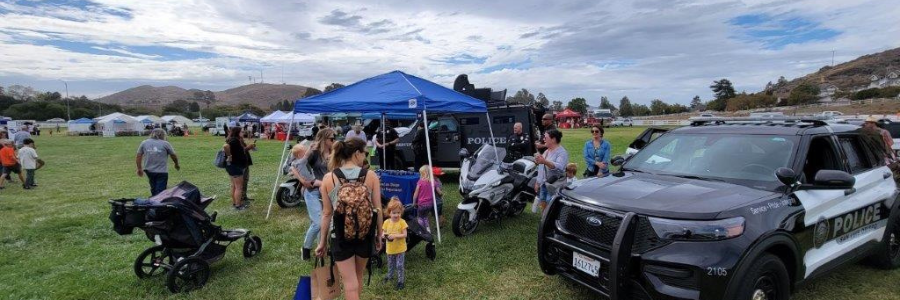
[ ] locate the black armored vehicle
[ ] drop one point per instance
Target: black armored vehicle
(727, 209)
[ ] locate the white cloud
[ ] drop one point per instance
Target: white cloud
(647, 49)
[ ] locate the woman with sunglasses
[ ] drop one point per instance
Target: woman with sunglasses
(317, 161)
(596, 153)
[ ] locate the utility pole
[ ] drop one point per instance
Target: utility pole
(832, 57)
(68, 112)
(260, 76)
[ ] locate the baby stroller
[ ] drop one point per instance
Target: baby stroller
(186, 239)
(415, 234)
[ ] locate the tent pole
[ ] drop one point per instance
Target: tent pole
(287, 139)
(383, 143)
(493, 143)
(431, 174)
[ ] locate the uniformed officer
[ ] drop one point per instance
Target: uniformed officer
(517, 144)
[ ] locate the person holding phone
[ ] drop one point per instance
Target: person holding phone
(250, 148)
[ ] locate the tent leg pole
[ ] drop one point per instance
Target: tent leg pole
(383, 142)
(431, 174)
(493, 143)
(287, 139)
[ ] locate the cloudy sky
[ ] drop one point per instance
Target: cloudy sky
(667, 49)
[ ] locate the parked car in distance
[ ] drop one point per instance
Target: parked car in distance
(622, 122)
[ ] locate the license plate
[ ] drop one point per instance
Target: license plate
(586, 264)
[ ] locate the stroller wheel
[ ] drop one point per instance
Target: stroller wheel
(151, 262)
(187, 275)
(252, 246)
(430, 252)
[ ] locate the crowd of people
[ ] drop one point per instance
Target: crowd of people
(335, 182)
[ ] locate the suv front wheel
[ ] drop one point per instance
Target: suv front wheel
(767, 279)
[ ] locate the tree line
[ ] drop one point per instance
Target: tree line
(25, 103)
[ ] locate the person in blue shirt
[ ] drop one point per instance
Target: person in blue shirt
(596, 154)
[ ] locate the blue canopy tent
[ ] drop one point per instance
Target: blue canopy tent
(394, 92)
(390, 116)
(248, 117)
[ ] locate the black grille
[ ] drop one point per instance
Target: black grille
(573, 220)
(645, 238)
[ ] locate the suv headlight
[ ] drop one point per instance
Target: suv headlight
(698, 230)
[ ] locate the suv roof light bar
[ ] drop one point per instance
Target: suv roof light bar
(759, 121)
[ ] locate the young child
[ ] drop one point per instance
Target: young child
(424, 198)
(28, 160)
(10, 162)
(571, 170)
(395, 234)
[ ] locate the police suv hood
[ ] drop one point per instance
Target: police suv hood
(664, 196)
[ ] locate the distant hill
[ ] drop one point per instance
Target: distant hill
(848, 76)
(262, 95)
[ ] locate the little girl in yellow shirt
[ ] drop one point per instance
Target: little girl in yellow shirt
(395, 234)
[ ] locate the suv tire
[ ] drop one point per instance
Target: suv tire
(887, 255)
(767, 279)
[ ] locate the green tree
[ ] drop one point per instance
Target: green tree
(176, 107)
(333, 86)
(557, 106)
(522, 96)
(542, 100)
(723, 89)
(604, 103)
(658, 107)
(194, 107)
(805, 93)
(696, 103)
(578, 105)
(641, 110)
(21, 92)
(310, 92)
(625, 108)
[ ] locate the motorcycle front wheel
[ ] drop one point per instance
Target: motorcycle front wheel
(285, 200)
(462, 226)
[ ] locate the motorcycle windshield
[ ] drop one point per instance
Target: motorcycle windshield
(486, 159)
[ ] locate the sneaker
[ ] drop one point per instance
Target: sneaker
(240, 207)
(305, 254)
(400, 286)
(26, 187)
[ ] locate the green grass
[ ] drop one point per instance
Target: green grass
(57, 243)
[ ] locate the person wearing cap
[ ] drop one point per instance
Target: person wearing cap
(879, 137)
(20, 136)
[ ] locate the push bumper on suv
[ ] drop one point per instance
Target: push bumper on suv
(634, 263)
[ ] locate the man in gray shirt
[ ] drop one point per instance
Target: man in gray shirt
(551, 169)
(20, 136)
(151, 159)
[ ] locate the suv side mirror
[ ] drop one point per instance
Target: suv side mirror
(786, 176)
(833, 180)
(617, 161)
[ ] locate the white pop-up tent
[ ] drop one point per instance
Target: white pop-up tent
(272, 118)
(153, 119)
(394, 92)
(115, 123)
(180, 120)
(82, 125)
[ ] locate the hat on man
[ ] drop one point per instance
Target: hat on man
(872, 119)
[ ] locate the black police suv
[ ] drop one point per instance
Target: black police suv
(726, 210)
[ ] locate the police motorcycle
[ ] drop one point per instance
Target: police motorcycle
(290, 192)
(491, 189)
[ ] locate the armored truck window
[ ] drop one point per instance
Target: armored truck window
(857, 158)
(443, 125)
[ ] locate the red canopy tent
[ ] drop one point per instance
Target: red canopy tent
(568, 115)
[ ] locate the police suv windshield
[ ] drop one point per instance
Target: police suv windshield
(749, 159)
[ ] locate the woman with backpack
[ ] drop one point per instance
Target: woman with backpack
(351, 208)
(316, 161)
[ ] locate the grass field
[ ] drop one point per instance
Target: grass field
(57, 243)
